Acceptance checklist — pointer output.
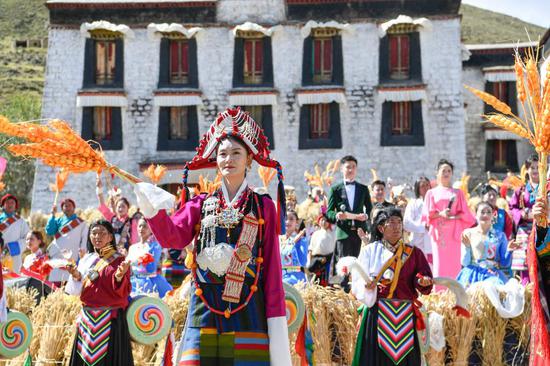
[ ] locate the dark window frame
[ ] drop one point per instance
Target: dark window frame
(416, 138)
(165, 144)
(89, 79)
(415, 61)
(238, 64)
(511, 99)
(511, 157)
(267, 123)
(334, 141)
(337, 62)
(164, 67)
(116, 141)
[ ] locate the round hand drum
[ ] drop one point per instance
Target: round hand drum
(295, 308)
(149, 319)
(15, 334)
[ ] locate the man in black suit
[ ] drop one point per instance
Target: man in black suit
(348, 205)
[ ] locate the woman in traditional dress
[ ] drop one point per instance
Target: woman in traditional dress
(412, 221)
(521, 205)
(446, 214)
(237, 310)
(293, 250)
(36, 246)
(145, 259)
(321, 248)
(125, 226)
(102, 280)
(397, 272)
(502, 221)
(484, 253)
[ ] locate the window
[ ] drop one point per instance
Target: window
(505, 91)
(399, 57)
(103, 61)
(263, 116)
(402, 124)
(320, 126)
(501, 156)
(323, 61)
(401, 118)
(103, 125)
(178, 128)
(178, 62)
(252, 65)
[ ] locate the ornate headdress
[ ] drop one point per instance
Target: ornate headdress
(236, 123)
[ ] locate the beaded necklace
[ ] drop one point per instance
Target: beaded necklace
(259, 260)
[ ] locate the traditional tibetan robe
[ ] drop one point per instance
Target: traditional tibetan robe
(70, 234)
(486, 258)
(236, 276)
(390, 315)
(293, 258)
(14, 231)
(102, 336)
(145, 258)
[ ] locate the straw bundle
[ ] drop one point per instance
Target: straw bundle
(53, 322)
(334, 318)
(22, 300)
(90, 215)
(178, 305)
(57, 145)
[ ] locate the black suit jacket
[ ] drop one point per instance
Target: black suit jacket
(338, 197)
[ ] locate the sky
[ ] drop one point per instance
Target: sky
(532, 11)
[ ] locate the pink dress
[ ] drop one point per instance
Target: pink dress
(445, 234)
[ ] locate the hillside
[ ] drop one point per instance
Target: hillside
(484, 26)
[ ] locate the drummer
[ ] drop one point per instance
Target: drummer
(102, 280)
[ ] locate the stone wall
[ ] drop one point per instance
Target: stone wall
(443, 113)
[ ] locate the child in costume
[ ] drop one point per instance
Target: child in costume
(102, 280)
(397, 272)
(321, 248)
(293, 250)
(145, 259)
(237, 310)
(484, 253)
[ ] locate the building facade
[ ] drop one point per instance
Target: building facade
(378, 80)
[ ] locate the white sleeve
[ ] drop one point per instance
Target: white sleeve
(151, 199)
(73, 287)
(84, 236)
(279, 346)
(413, 224)
(358, 289)
(23, 236)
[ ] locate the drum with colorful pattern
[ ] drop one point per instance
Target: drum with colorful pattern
(149, 319)
(295, 308)
(15, 334)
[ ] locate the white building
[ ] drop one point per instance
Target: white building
(326, 78)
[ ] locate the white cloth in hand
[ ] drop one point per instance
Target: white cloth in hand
(151, 199)
(279, 347)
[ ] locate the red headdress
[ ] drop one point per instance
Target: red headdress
(236, 123)
(67, 200)
(9, 196)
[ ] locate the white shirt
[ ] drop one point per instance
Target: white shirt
(17, 232)
(74, 240)
(322, 242)
(412, 222)
(237, 196)
(350, 193)
(73, 286)
(371, 258)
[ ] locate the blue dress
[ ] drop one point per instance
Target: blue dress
(486, 260)
(145, 278)
(293, 259)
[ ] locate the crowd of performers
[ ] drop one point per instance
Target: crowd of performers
(240, 245)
